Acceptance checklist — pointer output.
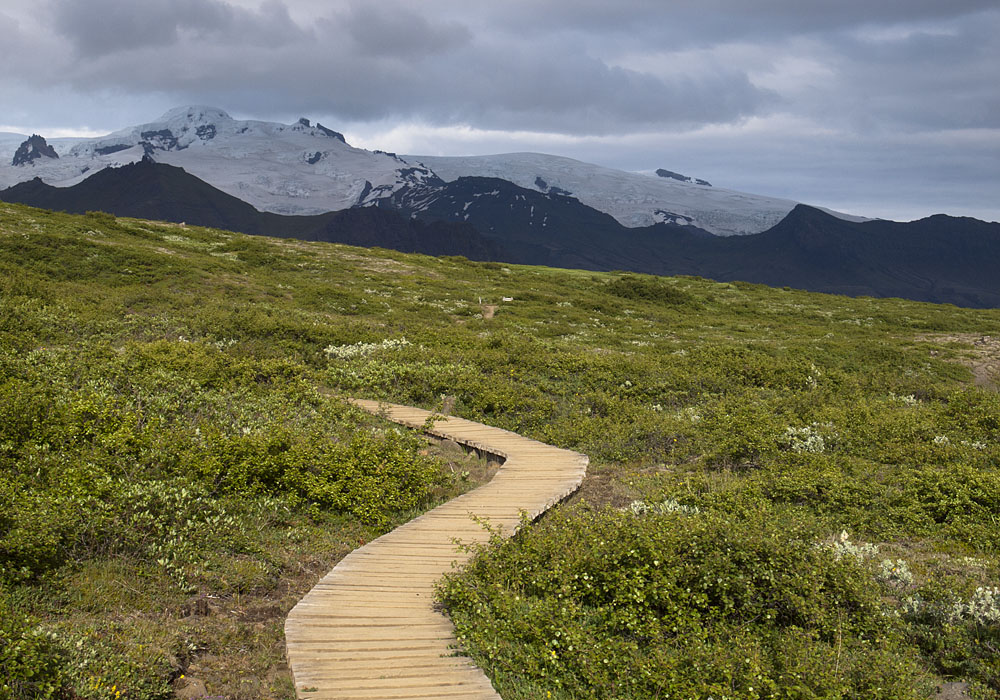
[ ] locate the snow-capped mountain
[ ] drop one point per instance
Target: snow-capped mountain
(298, 168)
(306, 168)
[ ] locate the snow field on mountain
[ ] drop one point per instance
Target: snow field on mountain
(632, 198)
(303, 168)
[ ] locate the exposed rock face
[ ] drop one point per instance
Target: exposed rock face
(544, 187)
(331, 133)
(682, 178)
(162, 139)
(33, 149)
(107, 150)
(206, 132)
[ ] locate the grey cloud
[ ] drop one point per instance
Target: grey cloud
(99, 28)
(930, 80)
(13, 41)
(397, 31)
(701, 22)
(28, 54)
(560, 88)
(270, 25)
(449, 64)
(370, 64)
(917, 80)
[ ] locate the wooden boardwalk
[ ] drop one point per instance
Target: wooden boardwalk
(369, 629)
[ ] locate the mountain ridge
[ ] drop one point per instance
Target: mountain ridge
(306, 168)
(940, 259)
(151, 190)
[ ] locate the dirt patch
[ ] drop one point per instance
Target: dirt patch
(263, 612)
(952, 691)
(489, 310)
(981, 355)
(602, 487)
(382, 264)
(363, 262)
(189, 688)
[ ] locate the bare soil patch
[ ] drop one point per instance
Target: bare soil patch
(981, 354)
(602, 486)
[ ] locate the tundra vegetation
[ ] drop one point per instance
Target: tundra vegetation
(791, 495)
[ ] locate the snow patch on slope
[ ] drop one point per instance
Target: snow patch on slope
(634, 199)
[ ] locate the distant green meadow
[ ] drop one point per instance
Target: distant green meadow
(791, 495)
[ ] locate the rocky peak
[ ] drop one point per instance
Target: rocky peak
(331, 133)
(682, 178)
(32, 149)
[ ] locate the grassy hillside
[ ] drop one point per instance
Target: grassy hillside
(791, 495)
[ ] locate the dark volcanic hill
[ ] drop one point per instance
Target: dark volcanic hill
(939, 259)
(540, 228)
(152, 190)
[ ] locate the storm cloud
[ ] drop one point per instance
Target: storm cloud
(364, 61)
(104, 27)
(816, 90)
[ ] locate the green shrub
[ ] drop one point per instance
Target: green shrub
(369, 476)
(648, 289)
(32, 663)
(613, 604)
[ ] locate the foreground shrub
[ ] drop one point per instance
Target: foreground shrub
(648, 289)
(31, 662)
(678, 604)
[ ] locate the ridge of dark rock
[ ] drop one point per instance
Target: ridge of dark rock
(331, 133)
(152, 190)
(939, 259)
(662, 172)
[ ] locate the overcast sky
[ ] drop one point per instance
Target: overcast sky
(884, 108)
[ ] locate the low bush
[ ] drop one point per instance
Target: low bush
(648, 289)
(679, 604)
(32, 663)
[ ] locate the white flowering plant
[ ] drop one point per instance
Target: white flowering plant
(346, 352)
(815, 438)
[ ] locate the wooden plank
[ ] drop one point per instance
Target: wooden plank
(369, 629)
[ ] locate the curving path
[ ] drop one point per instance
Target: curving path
(369, 628)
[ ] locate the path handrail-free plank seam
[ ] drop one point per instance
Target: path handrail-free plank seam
(369, 630)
